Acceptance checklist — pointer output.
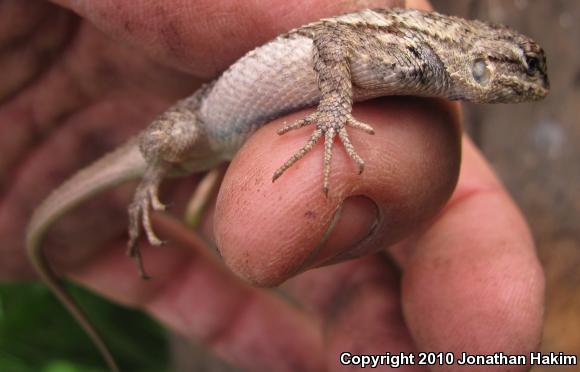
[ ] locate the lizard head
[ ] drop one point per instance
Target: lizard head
(505, 67)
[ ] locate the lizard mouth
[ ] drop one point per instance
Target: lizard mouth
(539, 91)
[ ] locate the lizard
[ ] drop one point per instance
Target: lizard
(331, 63)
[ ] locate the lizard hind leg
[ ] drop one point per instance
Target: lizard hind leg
(167, 144)
(145, 199)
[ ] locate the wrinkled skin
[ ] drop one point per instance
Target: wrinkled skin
(76, 85)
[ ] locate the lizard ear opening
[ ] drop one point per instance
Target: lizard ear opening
(480, 70)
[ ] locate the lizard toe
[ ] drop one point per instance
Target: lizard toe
(308, 119)
(354, 123)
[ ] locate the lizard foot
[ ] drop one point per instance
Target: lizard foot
(329, 124)
(145, 199)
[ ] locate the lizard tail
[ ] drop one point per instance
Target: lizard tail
(121, 165)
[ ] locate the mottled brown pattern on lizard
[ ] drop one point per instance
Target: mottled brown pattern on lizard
(355, 57)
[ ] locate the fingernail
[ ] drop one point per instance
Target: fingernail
(353, 222)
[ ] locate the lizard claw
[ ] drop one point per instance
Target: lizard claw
(156, 204)
(145, 199)
(328, 123)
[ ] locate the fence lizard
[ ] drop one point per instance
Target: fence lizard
(332, 63)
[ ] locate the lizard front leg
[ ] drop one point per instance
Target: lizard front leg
(332, 51)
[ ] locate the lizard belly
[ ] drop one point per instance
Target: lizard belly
(266, 83)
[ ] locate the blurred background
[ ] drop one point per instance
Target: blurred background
(535, 149)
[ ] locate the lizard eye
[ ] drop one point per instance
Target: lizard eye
(533, 63)
(480, 71)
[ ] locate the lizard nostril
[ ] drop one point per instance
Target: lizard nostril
(332, 63)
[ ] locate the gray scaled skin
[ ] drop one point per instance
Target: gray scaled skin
(330, 63)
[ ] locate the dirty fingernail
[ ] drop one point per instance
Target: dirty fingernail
(353, 222)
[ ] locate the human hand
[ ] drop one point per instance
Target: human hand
(475, 259)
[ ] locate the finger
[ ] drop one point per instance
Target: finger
(359, 305)
(473, 282)
(44, 167)
(204, 37)
(29, 33)
(269, 232)
(192, 293)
